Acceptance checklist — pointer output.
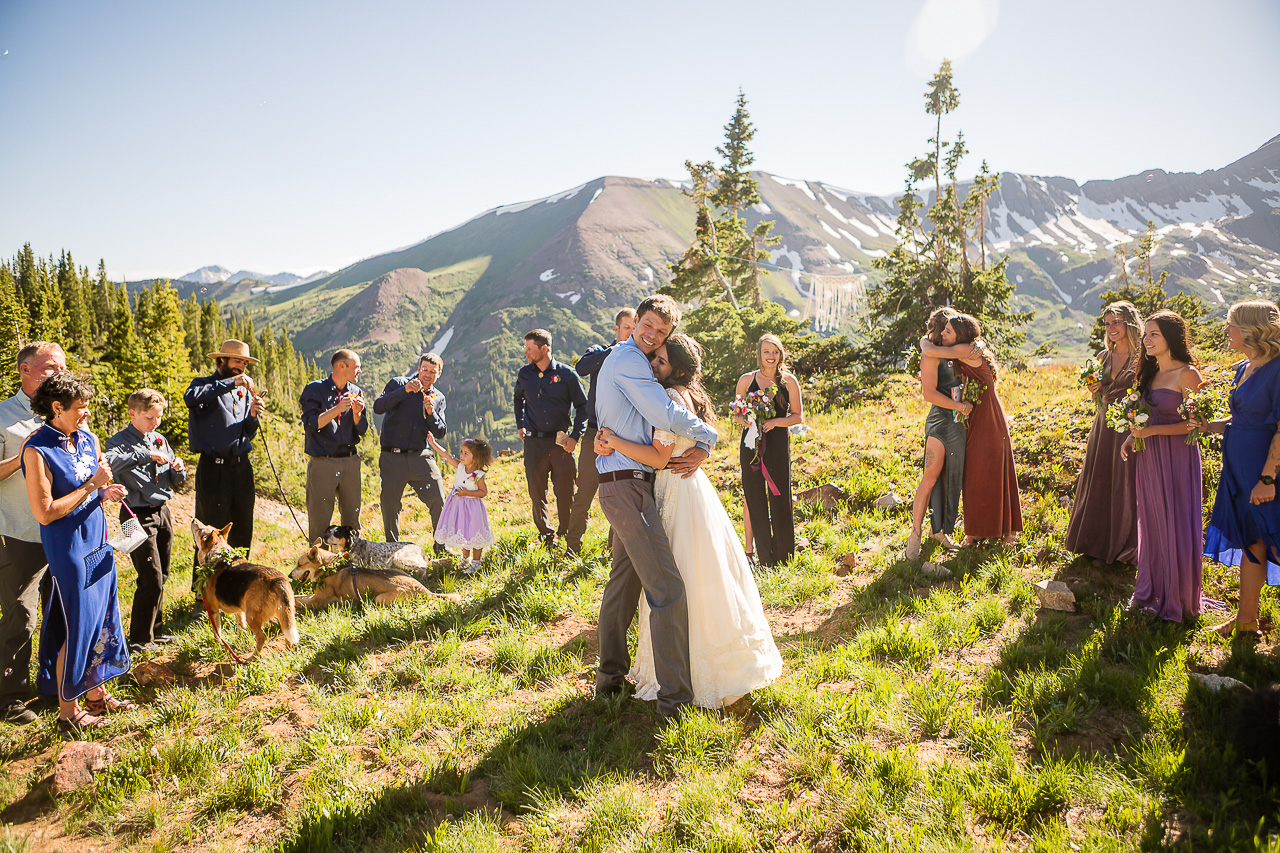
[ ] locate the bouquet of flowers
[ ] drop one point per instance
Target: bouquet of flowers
(755, 407)
(1091, 372)
(973, 391)
(1206, 404)
(1128, 412)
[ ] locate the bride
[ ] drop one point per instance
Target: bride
(731, 649)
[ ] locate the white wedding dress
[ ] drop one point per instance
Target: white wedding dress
(731, 649)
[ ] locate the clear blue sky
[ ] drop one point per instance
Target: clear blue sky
(274, 136)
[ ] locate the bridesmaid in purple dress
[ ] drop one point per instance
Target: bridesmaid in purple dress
(1244, 529)
(1170, 511)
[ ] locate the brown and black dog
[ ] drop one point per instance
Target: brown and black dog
(253, 594)
(348, 581)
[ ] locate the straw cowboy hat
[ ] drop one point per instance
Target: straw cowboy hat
(234, 349)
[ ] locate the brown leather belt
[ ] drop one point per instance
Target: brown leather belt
(626, 474)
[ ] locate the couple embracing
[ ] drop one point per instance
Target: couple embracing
(704, 639)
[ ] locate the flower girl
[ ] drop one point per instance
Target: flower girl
(464, 521)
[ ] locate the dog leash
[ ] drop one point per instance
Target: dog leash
(266, 448)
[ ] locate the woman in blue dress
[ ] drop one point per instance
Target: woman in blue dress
(82, 642)
(1244, 529)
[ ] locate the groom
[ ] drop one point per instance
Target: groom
(632, 403)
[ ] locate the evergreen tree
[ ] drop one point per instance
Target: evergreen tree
(1147, 292)
(191, 329)
(931, 266)
(166, 364)
(12, 332)
(723, 260)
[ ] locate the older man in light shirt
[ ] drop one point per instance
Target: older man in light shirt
(22, 561)
(631, 403)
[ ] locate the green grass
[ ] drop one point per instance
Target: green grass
(912, 713)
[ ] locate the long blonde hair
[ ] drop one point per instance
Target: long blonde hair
(1259, 324)
(1128, 312)
(770, 338)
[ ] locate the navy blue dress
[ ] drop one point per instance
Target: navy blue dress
(83, 611)
(1236, 523)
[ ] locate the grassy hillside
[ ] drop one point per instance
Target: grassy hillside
(913, 713)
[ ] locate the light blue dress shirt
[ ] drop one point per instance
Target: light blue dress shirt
(632, 403)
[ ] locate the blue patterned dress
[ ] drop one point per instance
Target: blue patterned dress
(83, 611)
(1236, 524)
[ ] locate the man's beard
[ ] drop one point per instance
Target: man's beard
(226, 371)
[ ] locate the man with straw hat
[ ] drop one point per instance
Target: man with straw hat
(222, 420)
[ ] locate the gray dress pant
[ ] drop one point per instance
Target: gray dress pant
(330, 477)
(22, 568)
(588, 481)
(643, 563)
(416, 468)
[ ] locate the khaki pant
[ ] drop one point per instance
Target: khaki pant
(329, 477)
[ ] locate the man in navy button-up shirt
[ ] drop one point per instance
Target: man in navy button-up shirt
(545, 391)
(222, 419)
(334, 422)
(588, 366)
(412, 407)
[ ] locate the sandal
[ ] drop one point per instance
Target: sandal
(81, 722)
(108, 703)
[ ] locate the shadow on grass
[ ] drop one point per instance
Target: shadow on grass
(544, 759)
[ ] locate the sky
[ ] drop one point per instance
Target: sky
(298, 136)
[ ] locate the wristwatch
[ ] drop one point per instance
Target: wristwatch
(1267, 480)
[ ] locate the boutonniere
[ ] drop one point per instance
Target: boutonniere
(555, 377)
(240, 393)
(159, 442)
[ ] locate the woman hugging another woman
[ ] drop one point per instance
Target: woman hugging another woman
(991, 501)
(942, 480)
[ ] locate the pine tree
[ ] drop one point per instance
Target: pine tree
(931, 266)
(723, 260)
(167, 363)
(12, 331)
(1147, 292)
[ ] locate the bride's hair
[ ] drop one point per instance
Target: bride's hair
(684, 354)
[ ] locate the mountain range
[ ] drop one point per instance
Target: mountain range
(567, 262)
(218, 275)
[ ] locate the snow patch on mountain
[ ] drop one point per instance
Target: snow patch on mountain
(793, 258)
(547, 275)
(443, 342)
(800, 185)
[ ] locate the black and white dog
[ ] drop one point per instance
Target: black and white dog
(376, 555)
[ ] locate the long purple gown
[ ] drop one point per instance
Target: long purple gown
(1170, 517)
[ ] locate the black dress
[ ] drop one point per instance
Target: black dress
(772, 524)
(944, 500)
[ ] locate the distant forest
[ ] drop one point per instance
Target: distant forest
(124, 341)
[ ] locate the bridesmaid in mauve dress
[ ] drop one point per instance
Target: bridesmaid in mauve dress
(1170, 512)
(1244, 529)
(1104, 523)
(992, 508)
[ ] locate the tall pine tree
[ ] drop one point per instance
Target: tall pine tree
(934, 263)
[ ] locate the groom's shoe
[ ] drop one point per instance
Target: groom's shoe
(605, 691)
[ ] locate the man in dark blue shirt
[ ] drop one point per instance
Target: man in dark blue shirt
(222, 419)
(545, 391)
(588, 479)
(334, 422)
(411, 407)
